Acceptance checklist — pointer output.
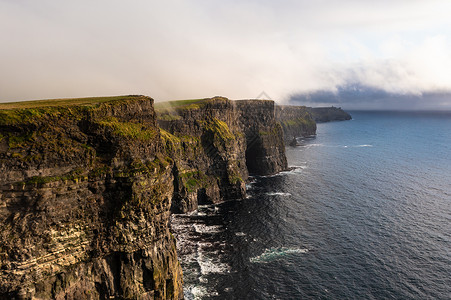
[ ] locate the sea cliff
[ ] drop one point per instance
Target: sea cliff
(88, 186)
(300, 121)
(296, 121)
(216, 143)
(327, 114)
(85, 197)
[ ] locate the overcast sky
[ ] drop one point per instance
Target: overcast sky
(291, 50)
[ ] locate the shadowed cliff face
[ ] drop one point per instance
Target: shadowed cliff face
(85, 199)
(265, 150)
(300, 121)
(296, 121)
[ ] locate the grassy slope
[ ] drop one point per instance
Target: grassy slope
(61, 102)
(161, 107)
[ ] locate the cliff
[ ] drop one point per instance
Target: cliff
(88, 186)
(84, 206)
(296, 121)
(300, 121)
(327, 114)
(265, 150)
(216, 143)
(206, 144)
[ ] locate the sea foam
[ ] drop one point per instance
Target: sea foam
(276, 253)
(278, 194)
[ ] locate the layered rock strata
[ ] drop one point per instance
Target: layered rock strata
(85, 201)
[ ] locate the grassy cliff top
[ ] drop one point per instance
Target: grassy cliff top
(24, 112)
(62, 102)
(179, 104)
(169, 110)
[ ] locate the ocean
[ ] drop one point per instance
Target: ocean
(365, 213)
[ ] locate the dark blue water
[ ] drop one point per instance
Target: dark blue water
(365, 214)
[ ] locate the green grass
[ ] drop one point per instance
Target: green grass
(299, 121)
(167, 110)
(235, 178)
(167, 137)
(219, 128)
(178, 103)
(15, 116)
(24, 112)
(73, 175)
(193, 179)
(170, 110)
(129, 129)
(62, 102)
(19, 141)
(169, 117)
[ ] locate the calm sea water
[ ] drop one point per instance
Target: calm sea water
(365, 214)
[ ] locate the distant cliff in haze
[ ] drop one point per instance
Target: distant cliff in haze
(328, 114)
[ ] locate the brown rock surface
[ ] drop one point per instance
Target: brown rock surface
(85, 200)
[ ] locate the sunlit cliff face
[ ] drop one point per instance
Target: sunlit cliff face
(195, 49)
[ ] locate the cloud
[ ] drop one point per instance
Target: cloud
(415, 78)
(199, 48)
(357, 97)
(421, 68)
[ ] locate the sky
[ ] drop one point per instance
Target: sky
(355, 54)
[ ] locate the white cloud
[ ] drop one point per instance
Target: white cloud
(425, 67)
(200, 48)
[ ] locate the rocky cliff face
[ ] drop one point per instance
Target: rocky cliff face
(265, 150)
(206, 144)
(87, 190)
(85, 201)
(300, 121)
(211, 141)
(327, 114)
(296, 121)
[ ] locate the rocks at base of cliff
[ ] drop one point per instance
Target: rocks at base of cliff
(294, 142)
